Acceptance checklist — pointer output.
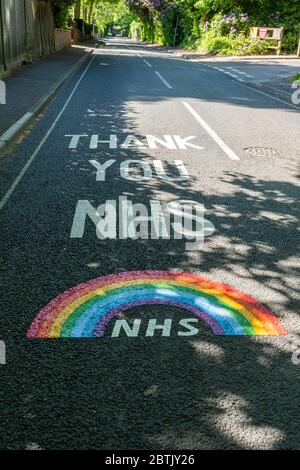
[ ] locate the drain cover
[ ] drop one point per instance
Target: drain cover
(261, 152)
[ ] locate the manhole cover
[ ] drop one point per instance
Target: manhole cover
(261, 152)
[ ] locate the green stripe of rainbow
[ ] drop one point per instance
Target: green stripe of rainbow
(86, 310)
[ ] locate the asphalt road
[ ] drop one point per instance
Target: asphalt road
(176, 392)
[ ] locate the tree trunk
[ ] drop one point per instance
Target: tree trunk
(91, 11)
(77, 9)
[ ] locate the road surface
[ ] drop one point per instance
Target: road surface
(237, 152)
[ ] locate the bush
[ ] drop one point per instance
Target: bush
(216, 45)
(217, 26)
(135, 31)
(290, 42)
(233, 46)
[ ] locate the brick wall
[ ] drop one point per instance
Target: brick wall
(63, 38)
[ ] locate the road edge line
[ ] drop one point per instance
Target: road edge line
(17, 180)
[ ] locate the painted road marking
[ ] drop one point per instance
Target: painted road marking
(242, 83)
(163, 80)
(43, 141)
(269, 96)
(148, 63)
(246, 74)
(229, 71)
(211, 132)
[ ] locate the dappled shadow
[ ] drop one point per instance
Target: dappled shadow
(144, 393)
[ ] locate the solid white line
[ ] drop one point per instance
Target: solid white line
(242, 83)
(35, 153)
(148, 63)
(211, 132)
(270, 96)
(163, 80)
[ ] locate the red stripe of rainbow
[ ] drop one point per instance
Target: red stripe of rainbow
(85, 310)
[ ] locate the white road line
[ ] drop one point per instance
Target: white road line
(233, 70)
(242, 83)
(270, 96)
(148, 63)
(44, 139)
(211, 132)
(163, 80)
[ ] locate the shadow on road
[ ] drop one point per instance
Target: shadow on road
(145, 393)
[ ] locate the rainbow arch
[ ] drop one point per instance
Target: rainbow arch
(85, 311)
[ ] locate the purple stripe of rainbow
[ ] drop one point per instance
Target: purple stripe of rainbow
(104, 321)
(43, 322)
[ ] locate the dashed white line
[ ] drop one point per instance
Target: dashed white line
(148, 63)
(229, 70)
(43, 141)
(230, 153)
(163, 80)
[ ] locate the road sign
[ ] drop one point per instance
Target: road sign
(263, 33)
(277, 33)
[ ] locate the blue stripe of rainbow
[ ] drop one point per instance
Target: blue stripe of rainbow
(86, 310)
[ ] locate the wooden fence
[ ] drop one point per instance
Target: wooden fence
(26, 31)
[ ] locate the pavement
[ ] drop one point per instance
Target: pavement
(152, 392)
(30, 87)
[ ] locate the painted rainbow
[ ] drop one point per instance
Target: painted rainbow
(86, 310)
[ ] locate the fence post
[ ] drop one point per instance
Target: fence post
(25, 28)
(175, 32)
(2, 36)
(298, 52)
